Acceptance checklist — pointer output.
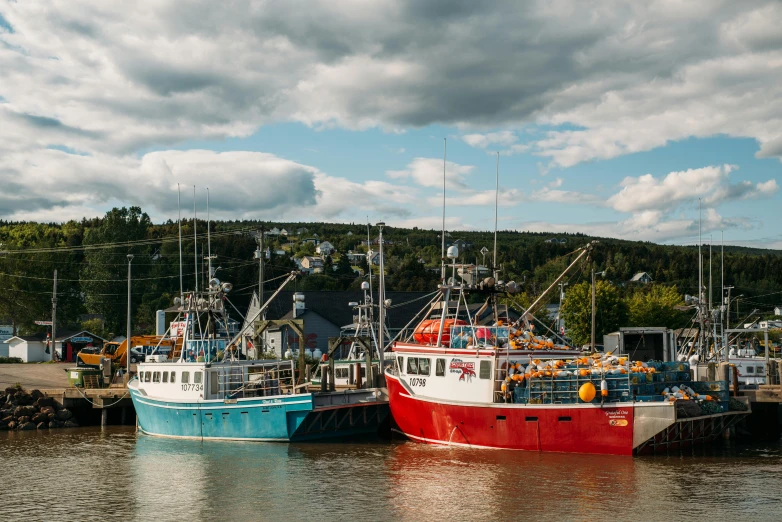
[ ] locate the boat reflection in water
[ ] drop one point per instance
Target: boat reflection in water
(116, 474)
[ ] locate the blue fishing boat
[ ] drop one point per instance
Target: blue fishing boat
(247, 400)
(209, 392)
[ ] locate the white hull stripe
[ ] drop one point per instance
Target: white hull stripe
(219, 404)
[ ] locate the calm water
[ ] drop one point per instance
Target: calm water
(89, 474)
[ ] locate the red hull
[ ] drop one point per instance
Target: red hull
(579, 429)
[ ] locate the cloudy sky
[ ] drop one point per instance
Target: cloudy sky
(610, 118)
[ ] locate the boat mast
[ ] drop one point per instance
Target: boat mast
(496, 205)
(195, 239)
(381, 297)
(208, 237)
(369, 268)
(700, 281)
(722, 295)
(179, 220)
(442, 234)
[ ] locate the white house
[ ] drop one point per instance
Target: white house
(32, 348)
(325, 248)
(283, 232)
(641, 277)
(778, 310)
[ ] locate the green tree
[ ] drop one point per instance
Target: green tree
(104, 273)
(305, 249)
(577, 311)
(656, 306)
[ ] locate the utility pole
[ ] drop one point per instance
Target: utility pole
(562, 286)
(54, 320)
(128, 346)
(727, 306)
(593, 309)
(260, 270)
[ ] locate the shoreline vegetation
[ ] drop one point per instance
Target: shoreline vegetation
(90, 257)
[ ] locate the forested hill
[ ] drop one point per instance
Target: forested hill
(91, 262)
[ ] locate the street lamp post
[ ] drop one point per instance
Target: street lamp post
(127, 348)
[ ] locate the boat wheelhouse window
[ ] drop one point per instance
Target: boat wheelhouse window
(400, 363)
(173, 377)
(214, 383)
(147, 376)
(759, 370)
(197, 378)
(485, 370)
(165, 376)
(412, 366)
(439, 370)
(185, 377)
(363, 371)
(423, 366)
(156, 377)
(750, 369)
(341, 373)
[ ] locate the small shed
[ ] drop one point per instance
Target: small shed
(28, 348)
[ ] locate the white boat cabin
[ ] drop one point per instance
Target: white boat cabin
(187, 381)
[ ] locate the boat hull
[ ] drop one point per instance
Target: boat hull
(279, 419)
(566, 428)
(629, 428)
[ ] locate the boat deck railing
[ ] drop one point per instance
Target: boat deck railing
(476, 336)
(260, 380)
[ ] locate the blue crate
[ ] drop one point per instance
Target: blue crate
(643, 389)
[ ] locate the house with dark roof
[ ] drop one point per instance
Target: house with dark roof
(325, 314)
(641, 277)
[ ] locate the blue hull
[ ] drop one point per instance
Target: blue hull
(281, 419)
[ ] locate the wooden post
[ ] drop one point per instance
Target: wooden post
(332, 384)
(309, 372)
(324, 378)
(104, 417)
(735, 381)
(359, 380)
(370, 375)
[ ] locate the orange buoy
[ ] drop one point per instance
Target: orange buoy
(587, 392)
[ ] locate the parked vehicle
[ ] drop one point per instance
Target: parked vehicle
(117, 352)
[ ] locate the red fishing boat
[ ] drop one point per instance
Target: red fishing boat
(482, 378)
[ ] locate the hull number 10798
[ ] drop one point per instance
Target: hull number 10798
(415, 381)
